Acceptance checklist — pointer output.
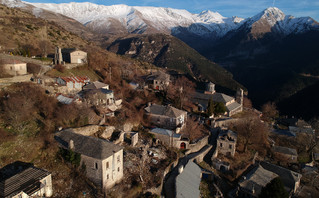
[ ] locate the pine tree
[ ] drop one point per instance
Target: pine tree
(274, 189)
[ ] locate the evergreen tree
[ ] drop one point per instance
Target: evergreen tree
(210, 107)
(219, 108)
(274, 189)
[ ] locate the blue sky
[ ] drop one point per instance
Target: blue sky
(227, 8)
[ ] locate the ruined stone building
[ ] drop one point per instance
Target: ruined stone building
(226, 143)
(21, 179)
(102, 159)
(157, 80)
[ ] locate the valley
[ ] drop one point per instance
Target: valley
(141, 101)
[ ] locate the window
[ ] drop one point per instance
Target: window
(118, 169)
(19, 196)
(230, 146)
(118, 158)
(221, 144)
(96, 167)
(107, 165)
(107, 176)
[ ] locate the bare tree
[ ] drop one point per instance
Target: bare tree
(193, 129)
(44, 45)
(251, 131)
(181, 91)
(269, 111)
(247, 103)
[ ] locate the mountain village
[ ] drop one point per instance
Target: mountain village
(80, 121)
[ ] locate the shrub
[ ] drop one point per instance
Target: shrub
(70, 156)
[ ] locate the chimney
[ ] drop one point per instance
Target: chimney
(71, 145)
(180, 169)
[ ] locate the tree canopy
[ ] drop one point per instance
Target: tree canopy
(274, 189)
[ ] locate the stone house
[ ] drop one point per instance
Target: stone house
(226, 143)
(23, 180)
(285, 153)
(102, 159)
(14, 67)
(158, 80)
(75, 82)
(169, 138)
(73, 56)
(99, 95)
(233, 105)
(261, 174)
(167, 117)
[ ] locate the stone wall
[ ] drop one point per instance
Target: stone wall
(86, 130)
(15, 79)
(198, 145)
(107, 133)
(225, 122)
(200, 157)
(93, 172)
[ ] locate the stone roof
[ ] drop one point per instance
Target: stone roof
(94, 91)
(159, 75)
(86, 145)
(256, 179)
(187, 183)
(285, 150)
(95, 85)
(20, 176)
(11, 61)
(165, 132)
(164, 111)
(233, 106)
(217, 97)
(64, 100)
(288, 177)
(69, 50)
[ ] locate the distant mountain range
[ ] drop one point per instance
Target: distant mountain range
(268, 53)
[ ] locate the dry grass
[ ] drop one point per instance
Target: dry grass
(78, 71)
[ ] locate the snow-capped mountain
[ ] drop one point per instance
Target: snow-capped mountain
(207, 24)
(274, 20)
(135, 19)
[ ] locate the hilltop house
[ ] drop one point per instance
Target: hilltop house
(226, 143)
(167, 117)
(21, 179)
(188, 181)
(103, 160)
(232, 105)
(73, 55)
(14, 67)
(72, 83)
(251, 184)
(285, 153)
(158, 80)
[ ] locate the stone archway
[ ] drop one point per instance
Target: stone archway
(183, 145)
